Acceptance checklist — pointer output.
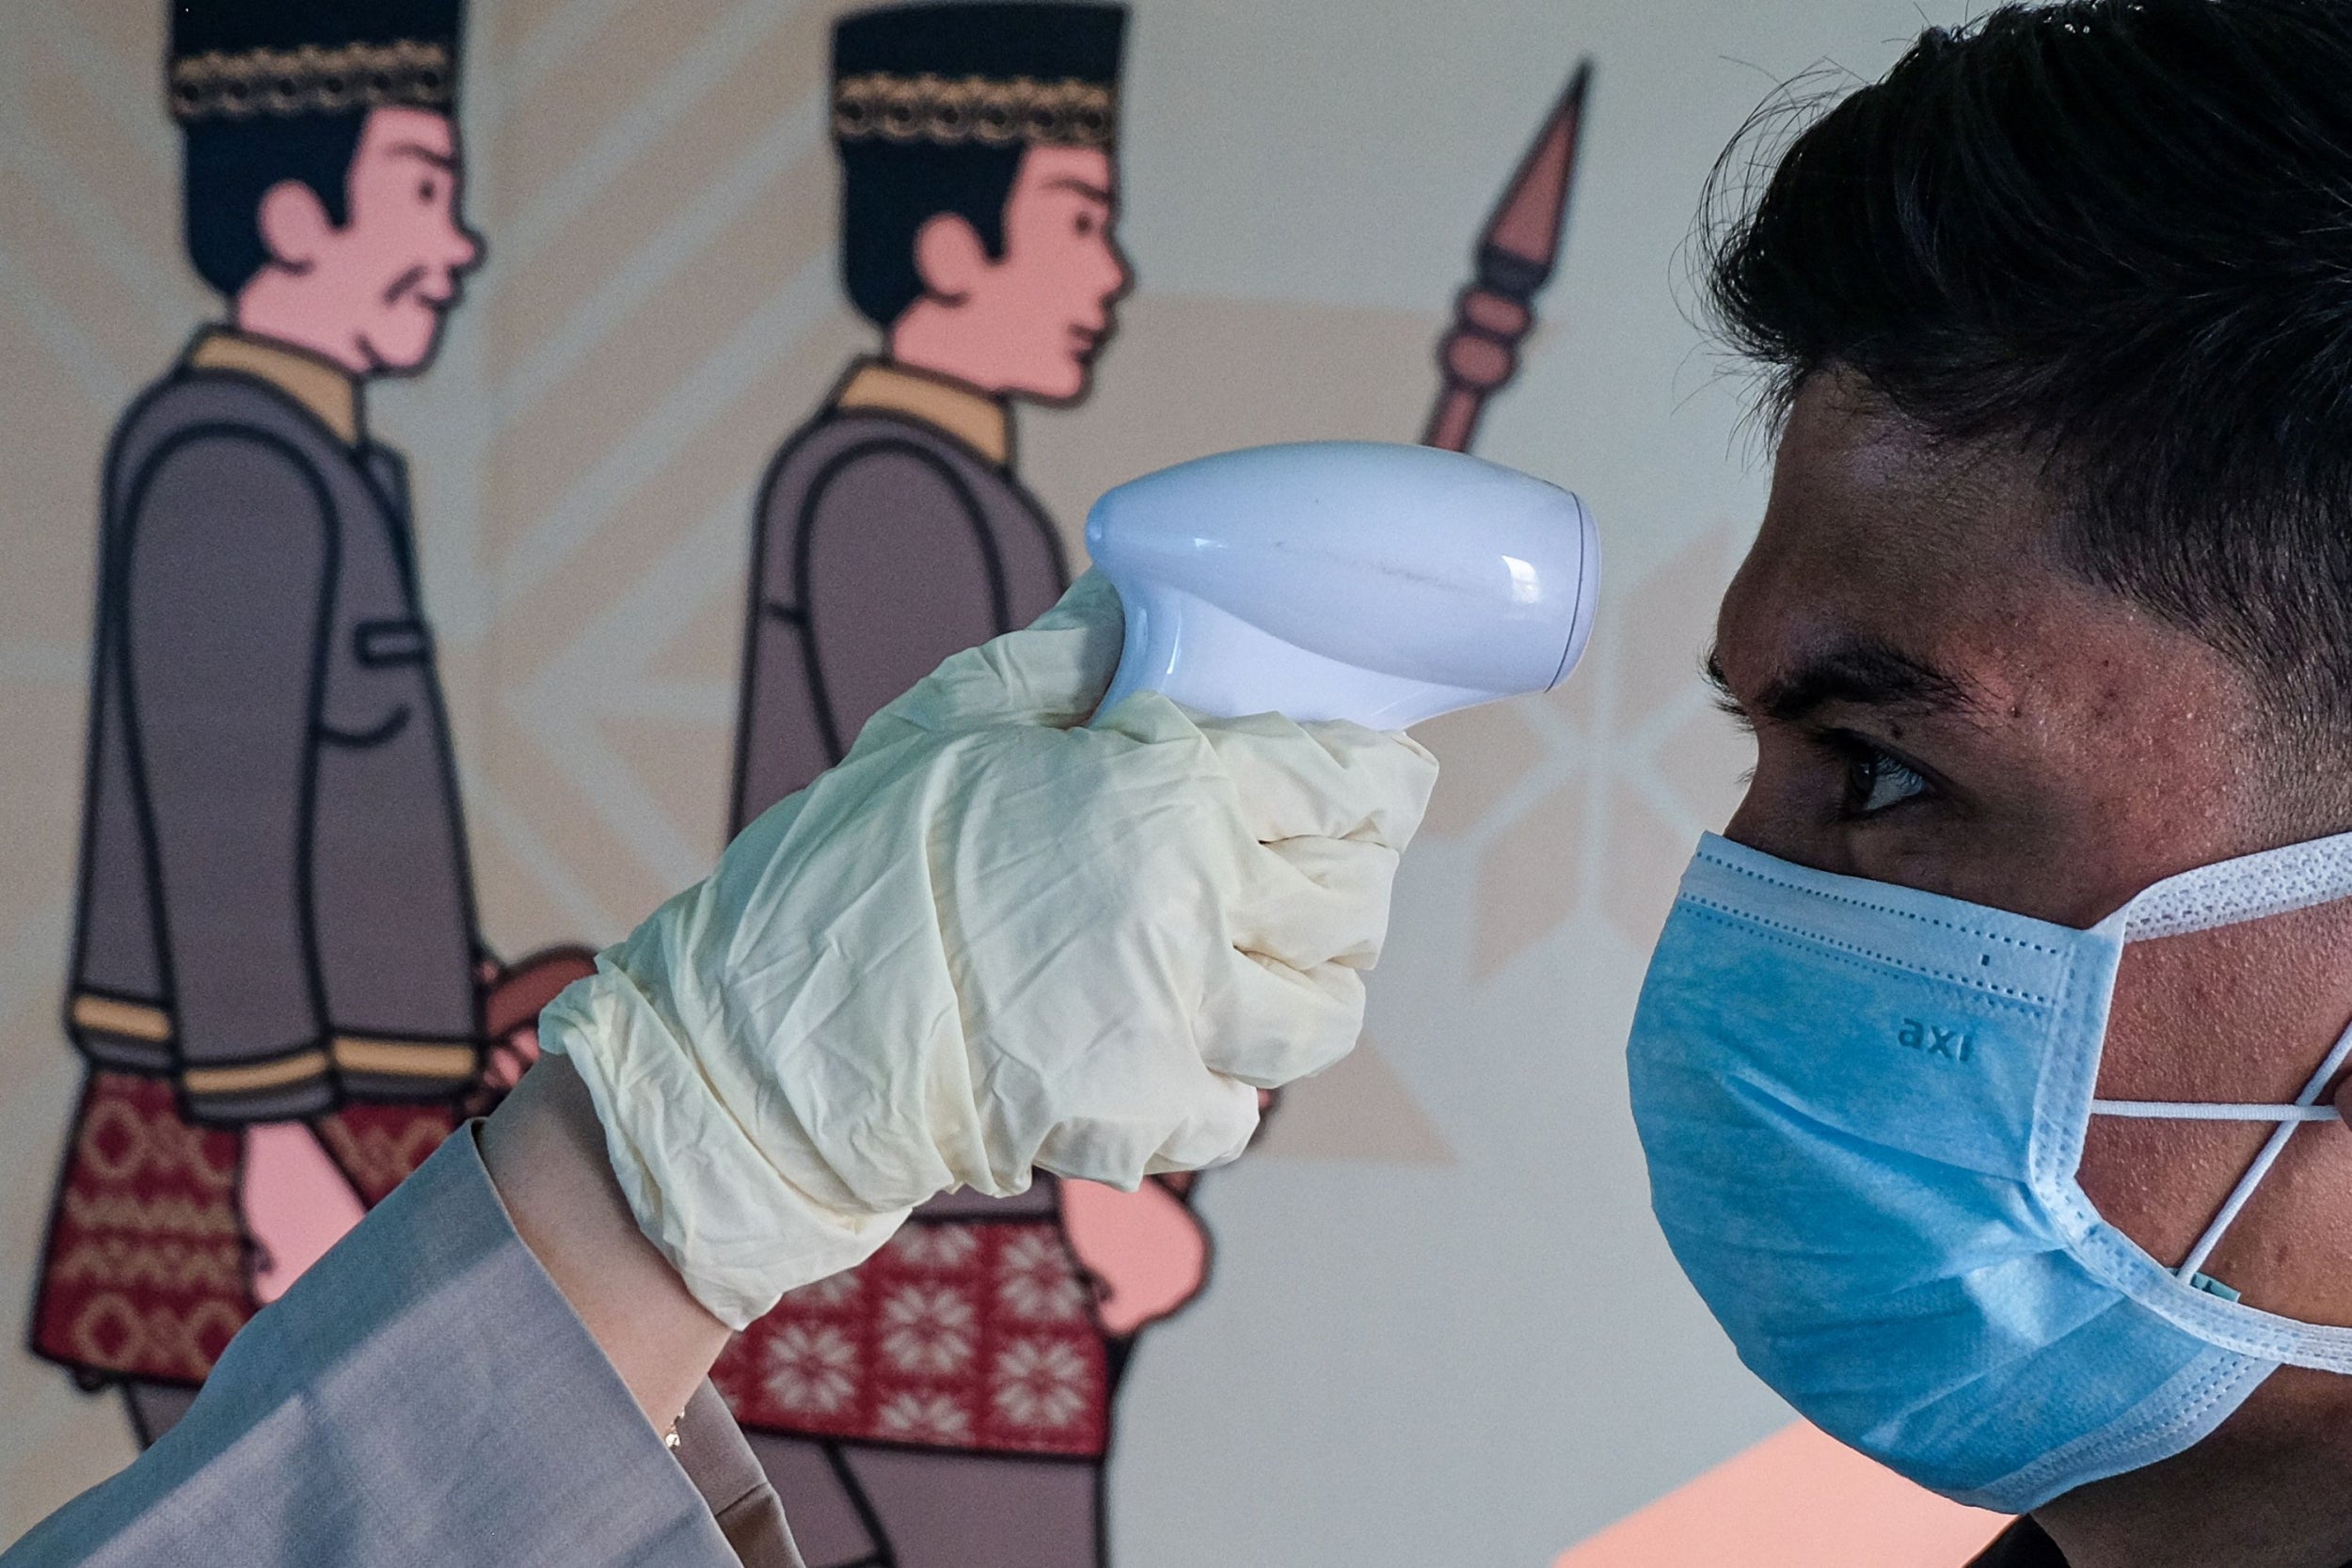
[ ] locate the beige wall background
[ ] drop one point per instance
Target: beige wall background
(1444, 1328)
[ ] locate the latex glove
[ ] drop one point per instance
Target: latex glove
(991, 939)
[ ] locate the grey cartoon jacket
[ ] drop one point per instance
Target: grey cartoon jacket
(275, 903)
(891, 534)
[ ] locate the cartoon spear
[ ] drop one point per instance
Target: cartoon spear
(1479, 354)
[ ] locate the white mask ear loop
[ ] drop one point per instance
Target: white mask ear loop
(2251, 887)
(2289, 1118)
(2226, 892)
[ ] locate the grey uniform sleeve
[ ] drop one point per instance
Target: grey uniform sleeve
(876, 571)
(899, 575)
(227, 578)
(423, 1395)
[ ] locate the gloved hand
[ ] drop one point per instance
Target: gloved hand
(991, 939)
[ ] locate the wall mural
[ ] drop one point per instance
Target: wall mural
(951, 1401)
(278, 986)
(279, 990)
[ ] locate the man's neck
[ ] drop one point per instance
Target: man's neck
(972, 416)
(275, 306)
(2265, 1491)
(937, 339)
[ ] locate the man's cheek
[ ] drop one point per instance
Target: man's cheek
(405, 333)
(2160, 1182)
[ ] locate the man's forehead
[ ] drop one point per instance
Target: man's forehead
(399, 129)
(1883, 549)
(1087, 172)
(1852, 473)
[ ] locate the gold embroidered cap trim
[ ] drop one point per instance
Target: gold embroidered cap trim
(260, 1075)
(403, 1058)
(972, 416)
(138, 1020)
(980, 110)
(327, 390)
(312, 80)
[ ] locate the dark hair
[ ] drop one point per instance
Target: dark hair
(889, 192)
(229, 166)
(2117, 234)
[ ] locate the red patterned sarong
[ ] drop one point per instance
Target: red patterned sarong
(144, 1271)
(977, 1337)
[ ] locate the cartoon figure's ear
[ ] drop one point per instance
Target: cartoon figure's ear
(293, 225)
(949, 257)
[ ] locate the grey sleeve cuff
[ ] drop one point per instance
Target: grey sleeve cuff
(423, 1395)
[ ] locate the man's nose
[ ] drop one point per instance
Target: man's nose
(1122, 273)
(465, 249)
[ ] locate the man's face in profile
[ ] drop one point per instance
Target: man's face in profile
(1939, 702)
(379, 286)
(1047, 302)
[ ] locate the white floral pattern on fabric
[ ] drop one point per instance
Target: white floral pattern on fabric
(812, 1370)
(930, 1419)
(939, 1247)
(1041, 1383)
(999, 1353)
(929, 1329)
(827, 1294)
(1036, 1283)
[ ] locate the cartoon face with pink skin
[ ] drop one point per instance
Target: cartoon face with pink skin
(368, 295)
(1026, 322)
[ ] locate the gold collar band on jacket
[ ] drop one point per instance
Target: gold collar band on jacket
(327, 390)
(969, 415)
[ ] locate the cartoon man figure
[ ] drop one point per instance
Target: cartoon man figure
(276, 985)
(949, 1402)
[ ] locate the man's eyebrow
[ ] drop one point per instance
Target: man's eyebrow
(417, 150)
(1858, 671)
(1072, 182)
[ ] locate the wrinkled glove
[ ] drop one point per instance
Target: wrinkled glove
(991, 939)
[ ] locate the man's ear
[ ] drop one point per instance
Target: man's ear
(949, 257)
(293, 225)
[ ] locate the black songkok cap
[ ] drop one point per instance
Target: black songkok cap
(980, 72)
(247, 60)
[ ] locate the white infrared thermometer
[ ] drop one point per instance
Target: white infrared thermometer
(1346, 579)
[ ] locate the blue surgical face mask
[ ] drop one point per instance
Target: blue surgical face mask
(1864, 1108)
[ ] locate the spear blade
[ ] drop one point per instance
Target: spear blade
(1514, 258)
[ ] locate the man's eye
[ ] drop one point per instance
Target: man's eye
(1086, 223)
(1875, 781)
(427, 191)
